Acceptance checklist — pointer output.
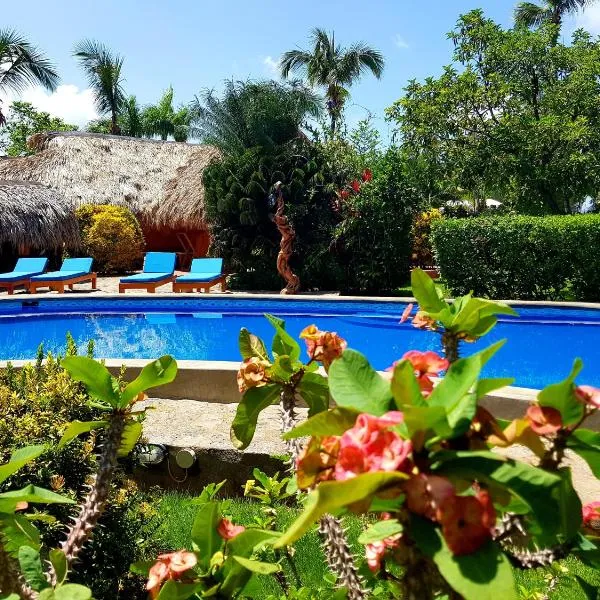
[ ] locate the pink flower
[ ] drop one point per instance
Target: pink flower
(370, 446)
(422, 321)
(406, 313)
(323, 346)
(375, 552)
(591, 515)
(544, 420)
(227, 530)
(425, 364)
(588, 395)
(169, 566)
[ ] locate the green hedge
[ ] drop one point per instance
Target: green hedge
(528, 258)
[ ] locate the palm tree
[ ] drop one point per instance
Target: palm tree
(530, 14)
(332, 67)
(22, 65)
(103, 70)
(130, 119)
(163, 120)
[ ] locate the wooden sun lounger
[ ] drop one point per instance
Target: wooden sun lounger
(10, 286)
(200, 286)
(59, 285)
(150, 287)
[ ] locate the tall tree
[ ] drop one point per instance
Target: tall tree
(531, 14)
(329, 65)
(131, 118)
(22, 65)
(104, 73)
(163, 120)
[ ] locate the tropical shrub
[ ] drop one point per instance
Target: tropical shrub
(112, 236)
(537, 258)
(422, 251)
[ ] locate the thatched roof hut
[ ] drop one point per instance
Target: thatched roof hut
(160, 181)
(36, 217)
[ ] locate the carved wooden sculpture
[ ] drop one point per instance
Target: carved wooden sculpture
(286, 246)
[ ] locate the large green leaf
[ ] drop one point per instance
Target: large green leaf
(158, 372)
(76, 428)
(427, 419)
(17, 532)
(405, 387)
(354, 383)
(330, 422)
(380, 530)
(252, 346)
(58, 560)
(98, 381)
(483, 575)
(283, 342)
(176, 590)
(31, 568)
(252, 403)
(314, 389)
(425, 292)
(485, 386)
(33, 495)
(255, 566)
(561, 396)
(204, 532)
(130, 437)
(477, 310)
(19, 458)
(68, 591)
(570, 505)
(537, 488)
(586, 444)
(333, 495)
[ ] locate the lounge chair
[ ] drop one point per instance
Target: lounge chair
(204, 273)
(159, 268)
(24, 270)
(72, 271)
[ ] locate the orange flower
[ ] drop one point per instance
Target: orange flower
(169, 566)
(544, 420)
(227, 530)
(317, 461)
(589, 395)
(425, 364)
(423, 321)
(252, 373)
(426, 494)
(323, 346)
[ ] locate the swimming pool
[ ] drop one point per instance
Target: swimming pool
(541, 346)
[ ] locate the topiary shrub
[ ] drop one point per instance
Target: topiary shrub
(422, 251)
(112, 236)
(528, 258)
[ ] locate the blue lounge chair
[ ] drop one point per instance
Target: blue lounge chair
(24, 270)
(72, 271)
(159, 268)
(204, 273)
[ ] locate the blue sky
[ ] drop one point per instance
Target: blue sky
(197, 44)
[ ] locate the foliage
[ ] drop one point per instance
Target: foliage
(23, 121)
(332, 67)
(131, 119)
(22, 65)
(422, 251)
(537, 258)
(163, 120)
(112, 236)
(103, 70)
(515, 116)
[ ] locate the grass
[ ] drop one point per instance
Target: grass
(177, 514)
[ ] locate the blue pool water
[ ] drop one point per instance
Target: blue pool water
(541, 345)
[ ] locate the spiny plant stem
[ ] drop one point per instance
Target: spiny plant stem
(287, 403)
(450, 344)
(93, 506)
(10, 579)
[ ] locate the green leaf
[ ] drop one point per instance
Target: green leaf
(154, 374)
(31, 568)
(17, 532)
(485, 386)
(425, 292)
(175, 590)
(252, 346)
(586, 444)
(314, 389)
(405, 387)
(331, 422)
(283, 342)
(98, 381)
(333, 495)
(252, 403)
(68, 591)
(130, 437)
(35, 495)
(204, 532)
(483, 575)
(19, 458)
(59, 561)
(570, 505)
(354, 383)
(561, 396)
(141, 567)
(380, 531)
(255, 566)
(76, 428)
(426, 419)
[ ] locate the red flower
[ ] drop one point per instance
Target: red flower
(367, 175)
(374, 552)
(467, 522)
(370, 446)
(426, 494)
(169, 566)
(591, 515)
(355, 185)
(344, 194)
(426, 364)
(406, 313)
(544, 420)
(588, 395)
(227, 530)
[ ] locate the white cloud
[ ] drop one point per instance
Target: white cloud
(68, 102)
(272, 65)
(401, 42)
(590, 19)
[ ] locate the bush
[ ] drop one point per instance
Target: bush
(422, 252)
(112, 236)
(528, 258)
